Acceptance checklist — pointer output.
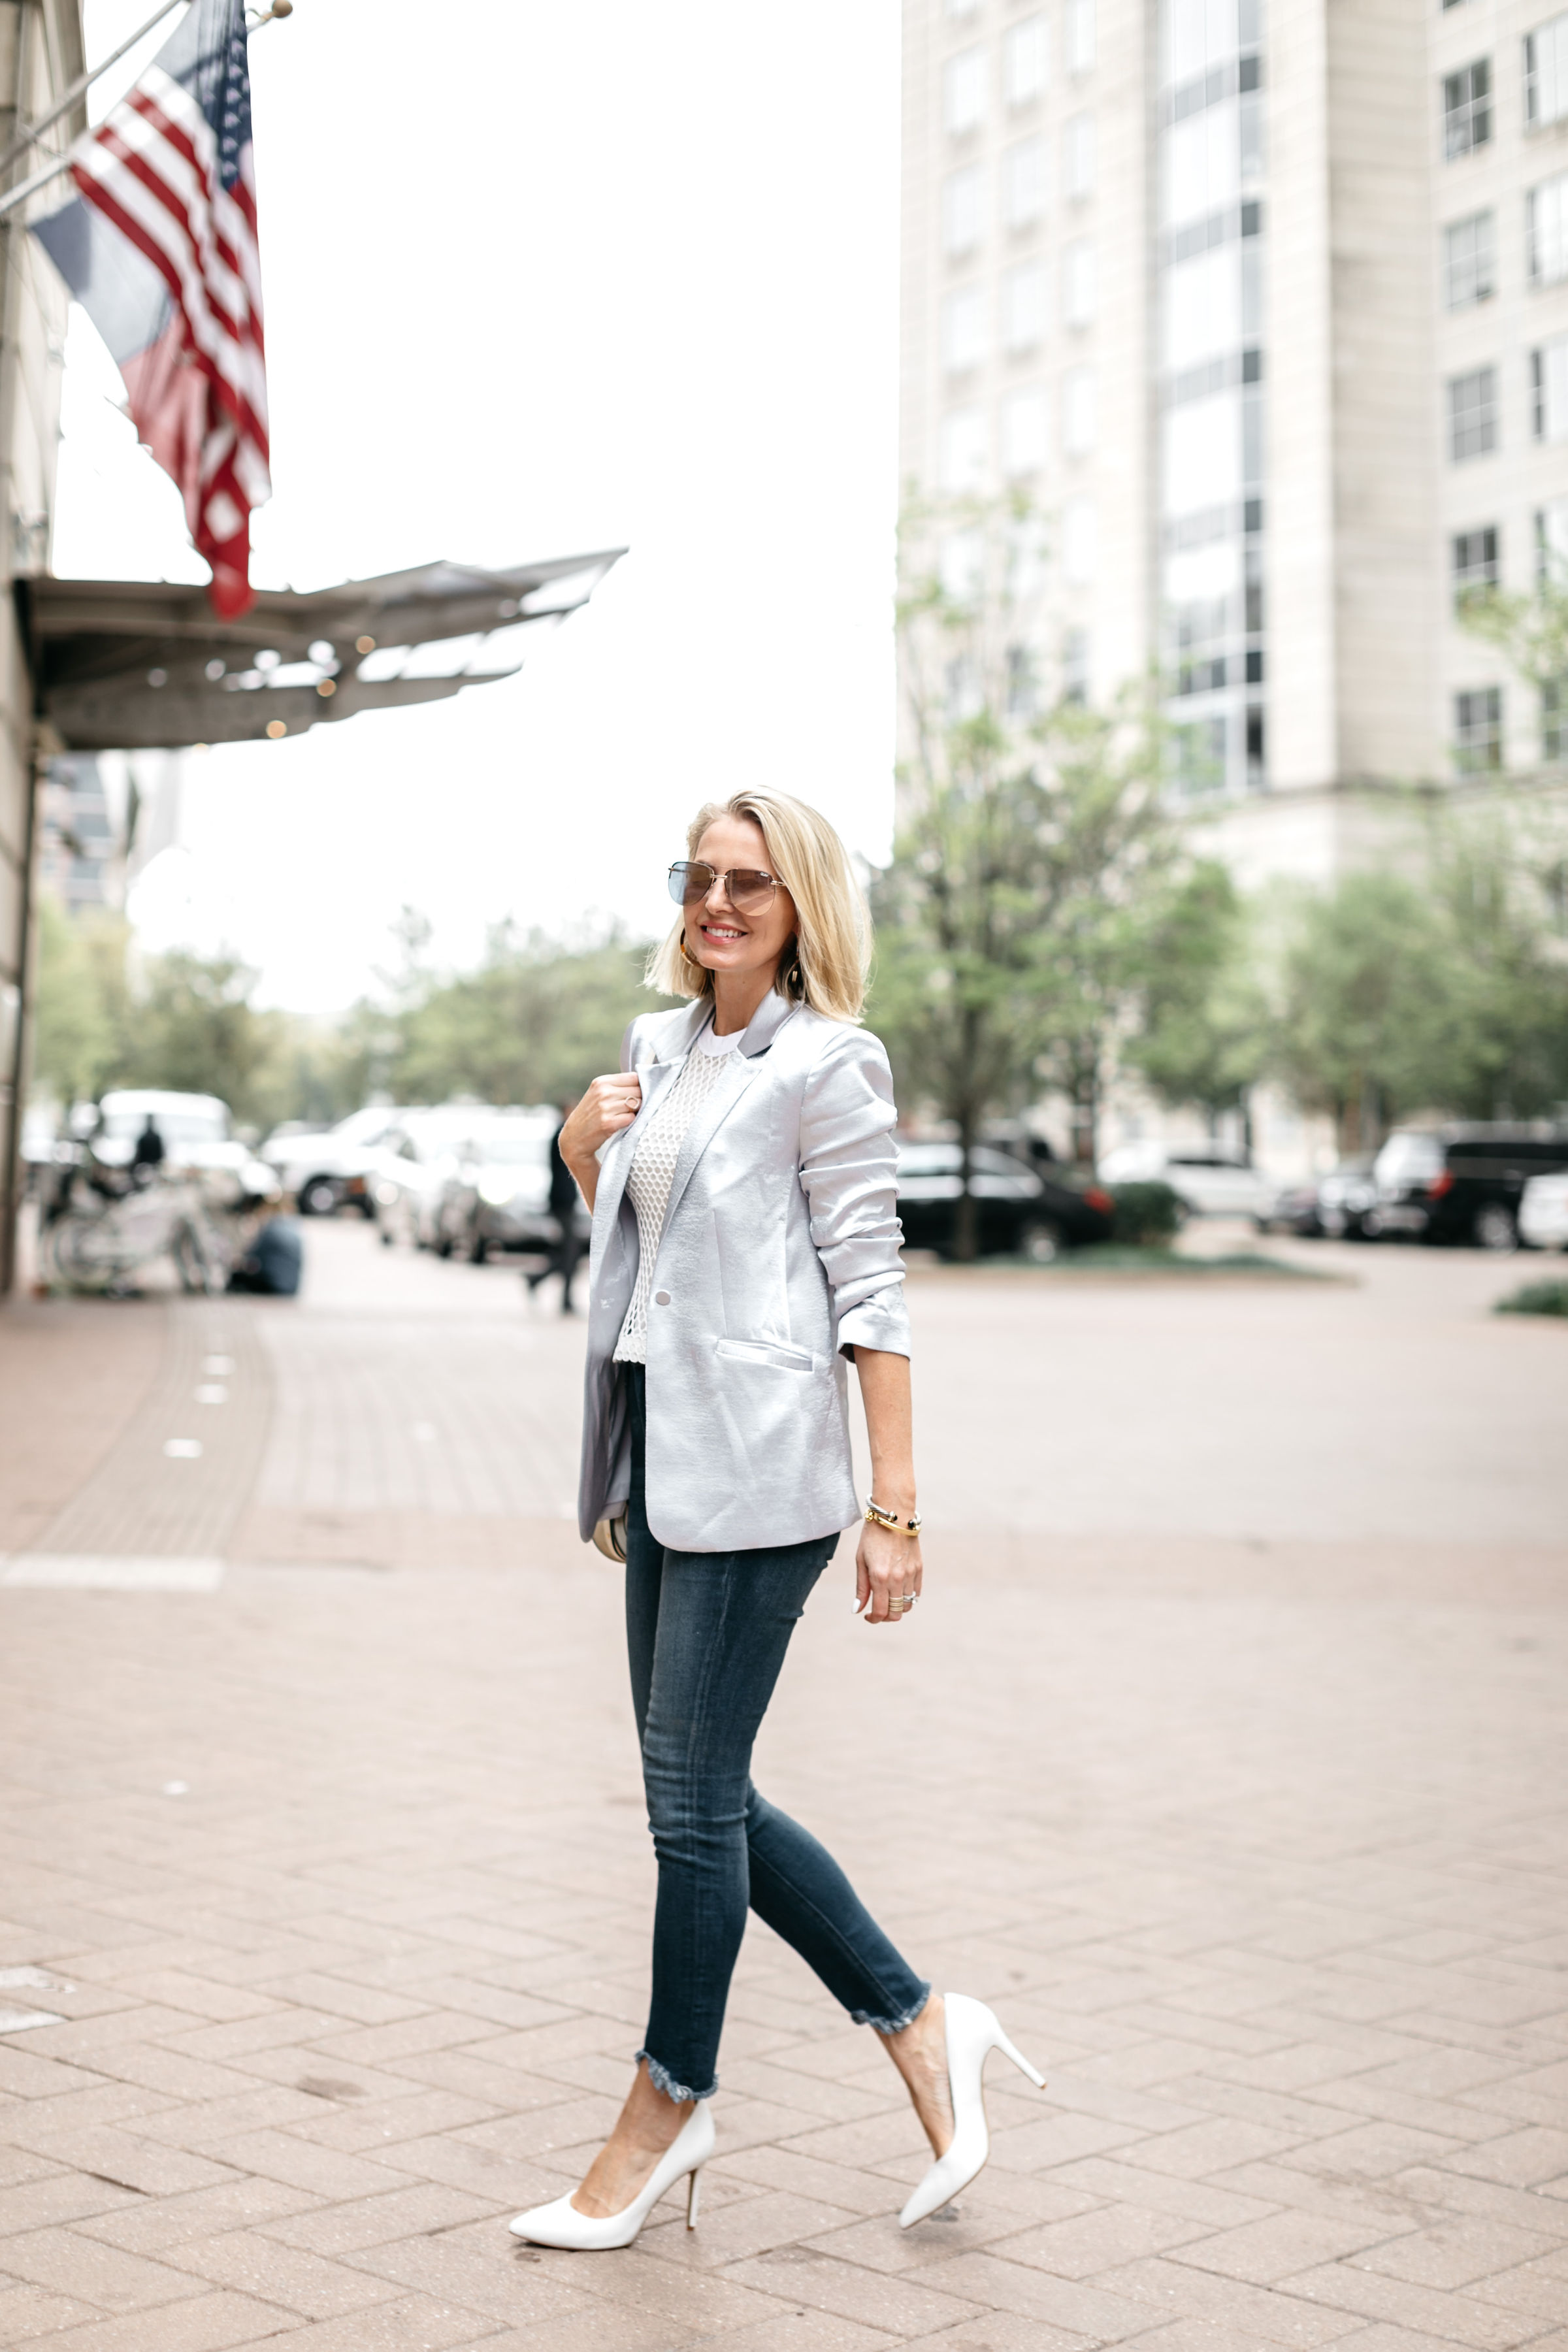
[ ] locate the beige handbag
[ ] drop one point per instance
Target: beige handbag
(610, 1537)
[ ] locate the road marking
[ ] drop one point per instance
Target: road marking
(182, 1449)
(106, 1572)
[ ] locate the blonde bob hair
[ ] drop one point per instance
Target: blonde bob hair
(827, 959)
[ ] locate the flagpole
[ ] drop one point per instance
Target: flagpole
(58, 163)
(28, 138)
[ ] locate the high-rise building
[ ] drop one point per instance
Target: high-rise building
(1266, 303)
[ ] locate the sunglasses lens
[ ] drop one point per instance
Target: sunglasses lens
(750, 892)
(688, 882)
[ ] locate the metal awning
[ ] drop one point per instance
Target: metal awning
(135, 664)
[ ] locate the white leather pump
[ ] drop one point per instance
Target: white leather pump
(560, 2224)
(972, 2032)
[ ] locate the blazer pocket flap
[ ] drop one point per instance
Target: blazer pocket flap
(766, 1351)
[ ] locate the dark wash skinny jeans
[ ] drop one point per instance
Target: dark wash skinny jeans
(707, 1632)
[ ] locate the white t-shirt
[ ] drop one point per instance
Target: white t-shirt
(652, 1173)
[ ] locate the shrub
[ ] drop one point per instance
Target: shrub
(1536, 1299)
(1146, 1213)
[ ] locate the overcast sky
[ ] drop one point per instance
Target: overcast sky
(542, 279)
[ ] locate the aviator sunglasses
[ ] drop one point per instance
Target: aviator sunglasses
(749, 892)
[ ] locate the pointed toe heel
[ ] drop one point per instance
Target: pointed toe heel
(560, 2223)
(972, 2032)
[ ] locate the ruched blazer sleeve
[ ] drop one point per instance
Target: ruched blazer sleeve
(779, 1258)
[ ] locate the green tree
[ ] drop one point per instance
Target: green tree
(533, 1023)
(1205, 1035)
(1040, 896)
(82, 1026)
(195, 1030)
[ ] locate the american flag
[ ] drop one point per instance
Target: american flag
(159, 247)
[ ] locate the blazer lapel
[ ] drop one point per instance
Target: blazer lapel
(615, 1166)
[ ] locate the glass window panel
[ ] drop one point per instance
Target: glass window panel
(1079, 32)
(1549, 383)
(1023, 61)
(1081, 543)
(1024, 183)
(964, 329)
(1469, 270)
(1079, 412)
(1478, 732)
(1025, 299)
(1466, 109)
(1025, 431)
(1203, 160)
(1078, 282)
(960, 565)
(1548, 218)
(1078, 158)
(963, 91)
(1552, 542)
(1203, 307)
(1546, 71)
(1203, 454)
(1203, 574)
(1198, 34)
(963, 450)
(963, 207)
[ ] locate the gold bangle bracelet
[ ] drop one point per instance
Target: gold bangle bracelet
(878, 1517)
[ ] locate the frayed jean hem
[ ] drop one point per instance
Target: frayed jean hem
(892, 2024)
(663, 2080)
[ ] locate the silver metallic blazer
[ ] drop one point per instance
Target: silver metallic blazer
(779, 1255)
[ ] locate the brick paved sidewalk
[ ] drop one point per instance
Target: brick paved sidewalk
(336, 1880)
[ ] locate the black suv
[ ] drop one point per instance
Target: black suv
(1462, 1183)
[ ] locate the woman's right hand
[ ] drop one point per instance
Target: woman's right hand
(609, 1106)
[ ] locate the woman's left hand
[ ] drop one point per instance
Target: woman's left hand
(887, 1570)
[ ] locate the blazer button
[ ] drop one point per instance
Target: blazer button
(661, 1298)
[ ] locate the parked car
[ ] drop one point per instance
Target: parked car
(325, 1166)
(1463, 1183)
(1211, 1183)
(411, 1164)
(495, 1190)
(1020, 1212)
(1336, 1206)
(1543, 1213)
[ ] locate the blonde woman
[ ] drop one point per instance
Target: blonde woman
(739, 1168)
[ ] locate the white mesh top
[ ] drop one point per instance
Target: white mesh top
(652, 1173)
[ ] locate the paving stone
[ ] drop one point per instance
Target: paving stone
(1259, 1853)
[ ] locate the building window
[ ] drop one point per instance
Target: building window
(1023, 694)
(1026, 428)
(1077, 158)
(962, 450)
(1023, 61)
(1546, 71)
(1078, 286)
(1202, 309)
(1079, 543)
(1472, 415)
(1078, 29)
(964, 330)
(1475, 562)
(1202, 164)
(1024, 183)
(1478, 732)
(1199, 756)
(1468, 108)
(963, 91)
(1075, 665)
(1024, 303)
(1080, 420)
(1554, 738)
(1549, 390)
(1547, 210)
(1470, 271)
(963, 206)
(1552, 544)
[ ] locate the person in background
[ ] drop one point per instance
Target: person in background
(148, 1156)
(568, 1247)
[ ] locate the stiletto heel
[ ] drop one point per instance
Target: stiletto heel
(972, 2032)
(1019, 2060)
(693, 2196)
(560, 2224)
